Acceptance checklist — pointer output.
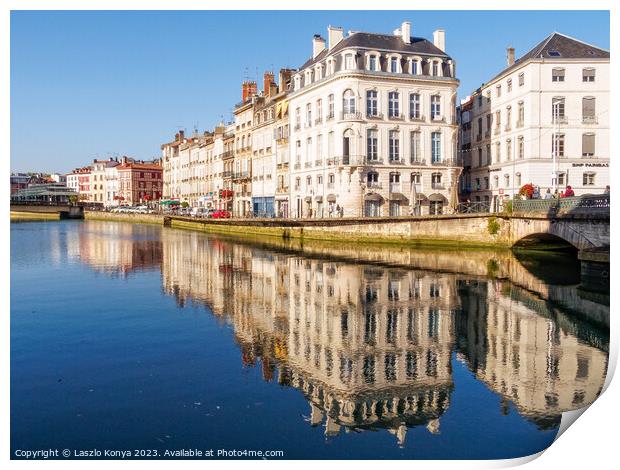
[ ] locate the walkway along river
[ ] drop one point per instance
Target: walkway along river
(128, 336)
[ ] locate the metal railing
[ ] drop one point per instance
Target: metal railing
(473, 207)
(598, 203)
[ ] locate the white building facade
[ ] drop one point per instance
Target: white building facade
(373, 126)
(544, 120)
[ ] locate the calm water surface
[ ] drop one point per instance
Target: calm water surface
(142, 337)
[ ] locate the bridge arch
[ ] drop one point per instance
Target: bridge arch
(577, 233)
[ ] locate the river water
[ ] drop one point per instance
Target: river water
(128, 337)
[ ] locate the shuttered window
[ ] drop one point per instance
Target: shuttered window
(588, 108)
(589, 75)
(587, 145)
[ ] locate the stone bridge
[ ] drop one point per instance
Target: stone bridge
(64, 211)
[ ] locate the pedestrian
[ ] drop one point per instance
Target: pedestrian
(606, 190)
(331, 210)
(569, 192)
(536, 193)
(548, 194)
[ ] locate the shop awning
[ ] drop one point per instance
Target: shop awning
(331, 198)
(373, 197)
(437, 197)
(318, 198)
(399, 197)
(308, 199)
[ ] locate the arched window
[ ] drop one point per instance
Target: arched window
(348, 102)
(348, 139)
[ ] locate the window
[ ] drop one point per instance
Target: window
(508, 117)
(557, 75)
(416, 178)
(557, 145)
(297, 118)
(509, 85)
(372, 108)
(521, 147)
(588, 109)
(297, 183)
(561, 178)
(436, 147)
(521, 114)
(518, 180)
(372, 145)
(587, 145)
(415, 147)
(479, 156)
(435, 107)
(308, 114)
(319, 147)
(414, 106)
(394, 182)
(521, 79)
(319, 110)
(331, 180)
(557, 109)
(393, 104)
(330, 106)
(348, 102)
(394, 65)
(498, 152)
(394, 146)
(498, 90)
(435, 68)
(414, 67)
(319, 180)
(509, 150)
(372, 179)
(372, 62)
(489, 122)
(506, 181)
(436, 180)
(588, 75)
(308, 181)
(348, 62)
(588, 178)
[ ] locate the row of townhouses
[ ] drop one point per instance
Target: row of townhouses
(369, 125)
(115, 182)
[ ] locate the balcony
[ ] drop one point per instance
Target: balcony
(396, 161)
(297, 127)
(417, 118)
(559, 120)
(589, 120)
(438, 118)
(487, 134)
(282, 190)
(297, 166)
(318, 121)
(351, 116)
(417, 161)
(520, 123)
(228, 154)
(329, 117)
(374, 185)
(374, 115)
(318, 162)
(478, 137)
(507, 128)
(396, 117)
(308, 165)
(239, 175)
(227, 174)
(395, 188)
(437, 185)
(374, 161)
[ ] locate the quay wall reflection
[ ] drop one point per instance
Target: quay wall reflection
(368, 336)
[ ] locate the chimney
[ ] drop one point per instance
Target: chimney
(181, 136)
(268, 79)
(248, 90)
(405, 30)
(334, 36)
(439, 39)
(283, 78)
(510, 56)
(318, 44)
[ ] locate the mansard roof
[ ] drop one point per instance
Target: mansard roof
(380, 42)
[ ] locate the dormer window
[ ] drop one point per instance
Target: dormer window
(349, 62)
(297, 82)
(394, 65)
(415, 67)
(318, 72)
(373, 63)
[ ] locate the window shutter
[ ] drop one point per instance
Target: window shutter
(588, 107)
(588, 144)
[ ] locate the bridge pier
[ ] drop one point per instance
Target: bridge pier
(595, 269)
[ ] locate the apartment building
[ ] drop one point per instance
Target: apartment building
(139, 182)
(99, 178)
(543, 120)
(79, 180)
(373, 126)
(242, 164)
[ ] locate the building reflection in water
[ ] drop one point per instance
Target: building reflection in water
(370, 345)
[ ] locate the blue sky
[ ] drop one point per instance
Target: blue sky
(95, 84)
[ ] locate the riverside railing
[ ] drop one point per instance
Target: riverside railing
(583, 204)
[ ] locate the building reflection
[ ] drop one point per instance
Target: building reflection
(117, 248)
(369, 342)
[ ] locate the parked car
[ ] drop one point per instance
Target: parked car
(198, 212)
(220, 214)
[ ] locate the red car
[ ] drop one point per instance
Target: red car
(221, 214)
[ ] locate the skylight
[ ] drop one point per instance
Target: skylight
(554, 53)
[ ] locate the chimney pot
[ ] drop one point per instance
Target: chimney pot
(318, 45)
